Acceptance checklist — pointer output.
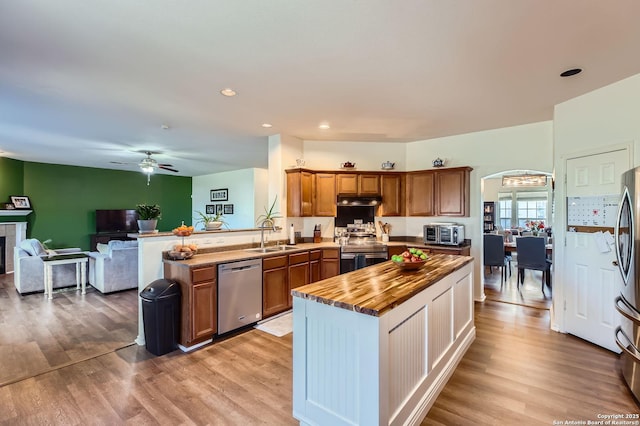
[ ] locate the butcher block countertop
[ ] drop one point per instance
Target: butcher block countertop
(379, 288)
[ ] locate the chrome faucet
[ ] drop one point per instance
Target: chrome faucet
(262, 226)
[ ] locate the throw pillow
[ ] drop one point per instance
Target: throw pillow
(33, 247)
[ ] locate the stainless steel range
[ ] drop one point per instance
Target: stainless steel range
(359, 247)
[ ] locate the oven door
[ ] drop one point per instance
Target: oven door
(348, 260)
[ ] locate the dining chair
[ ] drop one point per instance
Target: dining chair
(494, 254)
(532, 254)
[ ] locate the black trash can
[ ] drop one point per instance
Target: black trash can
(161, 316)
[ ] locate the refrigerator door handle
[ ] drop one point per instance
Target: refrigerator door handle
(630, 350)
(626, 197)
(627, 311)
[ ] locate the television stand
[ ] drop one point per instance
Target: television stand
(105, 237)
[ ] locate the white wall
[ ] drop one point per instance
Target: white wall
(248, 190)
(491, 188)
(603, 118)
(329, 155)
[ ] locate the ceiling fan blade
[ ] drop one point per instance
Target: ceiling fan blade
(119, 162)
(167, 168)
(165, 165)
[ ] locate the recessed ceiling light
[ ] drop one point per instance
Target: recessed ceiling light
(267, 125)
(228, 92)
(324, 126)
(569, 73)
(165, 127)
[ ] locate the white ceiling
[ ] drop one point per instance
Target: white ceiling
(90, 82)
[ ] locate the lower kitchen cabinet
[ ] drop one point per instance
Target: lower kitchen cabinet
(330, 263)
(203, 311)
(198, 286)
(315, 265)
(391, 250)
(275, 285)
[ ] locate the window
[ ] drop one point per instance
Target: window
(516, 208)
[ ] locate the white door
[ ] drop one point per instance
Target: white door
(591, 279)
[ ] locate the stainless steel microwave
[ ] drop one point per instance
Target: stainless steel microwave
(450, 234)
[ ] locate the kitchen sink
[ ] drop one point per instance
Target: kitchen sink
(270, 249)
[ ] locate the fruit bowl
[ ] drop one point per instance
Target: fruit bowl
(410, 266)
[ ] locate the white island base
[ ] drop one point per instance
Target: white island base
(351, 368)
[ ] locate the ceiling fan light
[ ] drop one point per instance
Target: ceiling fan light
(147, 169)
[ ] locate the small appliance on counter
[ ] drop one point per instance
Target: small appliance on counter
(450, 234)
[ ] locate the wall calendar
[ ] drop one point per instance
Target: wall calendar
(595, 211)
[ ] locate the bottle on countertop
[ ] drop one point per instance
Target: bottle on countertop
(292, 235)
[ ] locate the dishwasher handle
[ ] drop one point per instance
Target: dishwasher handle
(239, 267)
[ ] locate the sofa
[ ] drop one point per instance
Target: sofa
(114, 266)
(29, 267)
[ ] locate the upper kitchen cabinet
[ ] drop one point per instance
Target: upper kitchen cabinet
(392, 191)
(420, 199)
(452, 191)
(324, 194)
(358, 184)
(299, 193)
(443, 192)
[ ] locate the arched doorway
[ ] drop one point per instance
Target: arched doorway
(508, 206)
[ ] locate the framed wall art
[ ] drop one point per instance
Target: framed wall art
(220, 194)
(218, 208)
(228, 209)
(20, 201)
(210, 209)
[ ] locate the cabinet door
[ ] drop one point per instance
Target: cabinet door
(299, 194)
(452, 192)
(203, 320)
(275, 291)
(315, 259)
(368, 184)
(391, 189)
(347, 184)
(325, 194)
(420, 193)
(330, 263)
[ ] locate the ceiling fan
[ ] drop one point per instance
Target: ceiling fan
(149, 165)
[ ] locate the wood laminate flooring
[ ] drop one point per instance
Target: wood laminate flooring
(37, 334)
(517, 372)
(529, 294)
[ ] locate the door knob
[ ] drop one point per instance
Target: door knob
(614, 263)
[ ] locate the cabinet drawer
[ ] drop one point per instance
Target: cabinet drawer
(296, 258)
(315, 254)
(330, 253)
(274, 262)
(203, 274)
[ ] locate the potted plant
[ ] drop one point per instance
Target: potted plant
(211, 222)
(267, 219)
(148, 215)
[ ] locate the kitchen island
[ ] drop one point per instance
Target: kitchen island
(377, 345)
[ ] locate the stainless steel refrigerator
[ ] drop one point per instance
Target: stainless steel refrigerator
(628, 303)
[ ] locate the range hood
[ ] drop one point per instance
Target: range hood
(354, 200)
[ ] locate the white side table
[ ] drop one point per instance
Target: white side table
(80, 259)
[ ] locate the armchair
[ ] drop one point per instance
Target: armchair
(114, 266)
(29, 268)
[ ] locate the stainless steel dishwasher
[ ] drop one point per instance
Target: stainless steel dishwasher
(239, 294)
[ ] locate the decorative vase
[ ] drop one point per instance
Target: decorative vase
(212, 226)
(147, 226)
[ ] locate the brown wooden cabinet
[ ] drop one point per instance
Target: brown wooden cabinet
(451, 190)
(299, 193)
(420, 193)
(358, 184)
(275, 285)
(198, 319)
(298, 271)
(392, 191)
(325, 194)
(330, 263)
(392, 250)
(315, 262)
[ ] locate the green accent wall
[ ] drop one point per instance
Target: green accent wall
(64, 198)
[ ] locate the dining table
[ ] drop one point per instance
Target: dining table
(510, 247)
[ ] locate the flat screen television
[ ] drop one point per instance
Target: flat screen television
(116, 221)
